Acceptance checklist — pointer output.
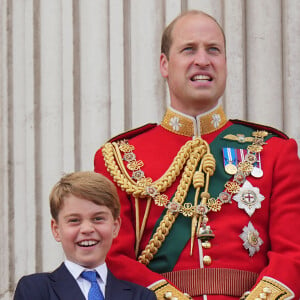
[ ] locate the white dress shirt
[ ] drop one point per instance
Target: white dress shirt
(84, 284)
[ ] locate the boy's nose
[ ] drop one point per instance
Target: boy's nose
(86, 227)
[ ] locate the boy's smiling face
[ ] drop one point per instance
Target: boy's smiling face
(86, 231)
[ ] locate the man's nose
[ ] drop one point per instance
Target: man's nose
(201, 58)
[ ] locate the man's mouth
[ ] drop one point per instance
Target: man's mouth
(87, 243)
(201, 78)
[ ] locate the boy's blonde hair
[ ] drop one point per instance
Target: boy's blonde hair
(87, 185)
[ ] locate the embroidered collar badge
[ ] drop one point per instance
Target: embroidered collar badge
(249, 198)
(252, 241)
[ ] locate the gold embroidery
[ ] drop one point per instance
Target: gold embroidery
(186, 125)
(238, 138)
(269, 288)
(164, 290)
(187, 159)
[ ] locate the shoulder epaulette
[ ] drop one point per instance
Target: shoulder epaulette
(133, 132)
(261, 127)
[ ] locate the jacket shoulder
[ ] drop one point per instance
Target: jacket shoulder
(133, 132)
(32, 286)
(35, 277)
(257, 126)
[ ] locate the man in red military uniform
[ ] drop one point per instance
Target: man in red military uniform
(210, 206)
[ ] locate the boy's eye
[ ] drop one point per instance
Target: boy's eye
(73, 220)
(99, 218)
(189, 48)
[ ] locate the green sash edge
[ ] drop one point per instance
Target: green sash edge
(180, 233)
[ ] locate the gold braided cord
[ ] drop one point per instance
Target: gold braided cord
(141, 231)
(111, 154)
(158, 238)
(189, 156)
(137, 224)
(118, 176)
(167, 222)
(145, 217)
(185, 157)
(207, 166)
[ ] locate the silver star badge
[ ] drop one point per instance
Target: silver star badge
(249, 198)
(252, 241)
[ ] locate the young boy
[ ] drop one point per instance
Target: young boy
(85, 213)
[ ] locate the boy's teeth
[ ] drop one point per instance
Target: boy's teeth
(87, 243)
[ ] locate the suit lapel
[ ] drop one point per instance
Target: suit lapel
(117, 289)
(64, 284)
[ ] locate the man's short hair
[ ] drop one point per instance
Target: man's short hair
(166, 40)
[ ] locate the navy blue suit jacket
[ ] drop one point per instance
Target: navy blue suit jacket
(60, 284)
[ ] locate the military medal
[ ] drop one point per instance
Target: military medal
(257, 170)
(230, 160)
(249, 198)
(230, 169)
(251, 239)
(253, 158)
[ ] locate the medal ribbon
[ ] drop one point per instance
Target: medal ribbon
(258, 161)
(229, 156)
(241, 153)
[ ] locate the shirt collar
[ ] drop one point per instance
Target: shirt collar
(183, 124)
(76, 270)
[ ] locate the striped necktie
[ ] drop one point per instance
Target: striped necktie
(94, 292)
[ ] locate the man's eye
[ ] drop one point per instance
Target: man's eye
(214, 49)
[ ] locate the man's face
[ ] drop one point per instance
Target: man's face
(86, 231)
(196, 69)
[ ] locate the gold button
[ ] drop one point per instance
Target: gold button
(168, 295)
(263, 296)
(207, 260)
(267, 290)
(206, 245)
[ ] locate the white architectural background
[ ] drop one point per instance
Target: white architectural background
(75, 72)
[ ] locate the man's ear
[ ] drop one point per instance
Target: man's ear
(55, 230)
(117, 226)
(164, 63)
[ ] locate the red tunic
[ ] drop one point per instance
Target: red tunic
(277, 221)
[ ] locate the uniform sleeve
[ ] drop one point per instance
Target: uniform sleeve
(281, 275)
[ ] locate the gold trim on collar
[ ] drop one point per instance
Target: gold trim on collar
(182, 124)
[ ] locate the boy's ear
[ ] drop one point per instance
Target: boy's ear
(117, 226)
(55, 230)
